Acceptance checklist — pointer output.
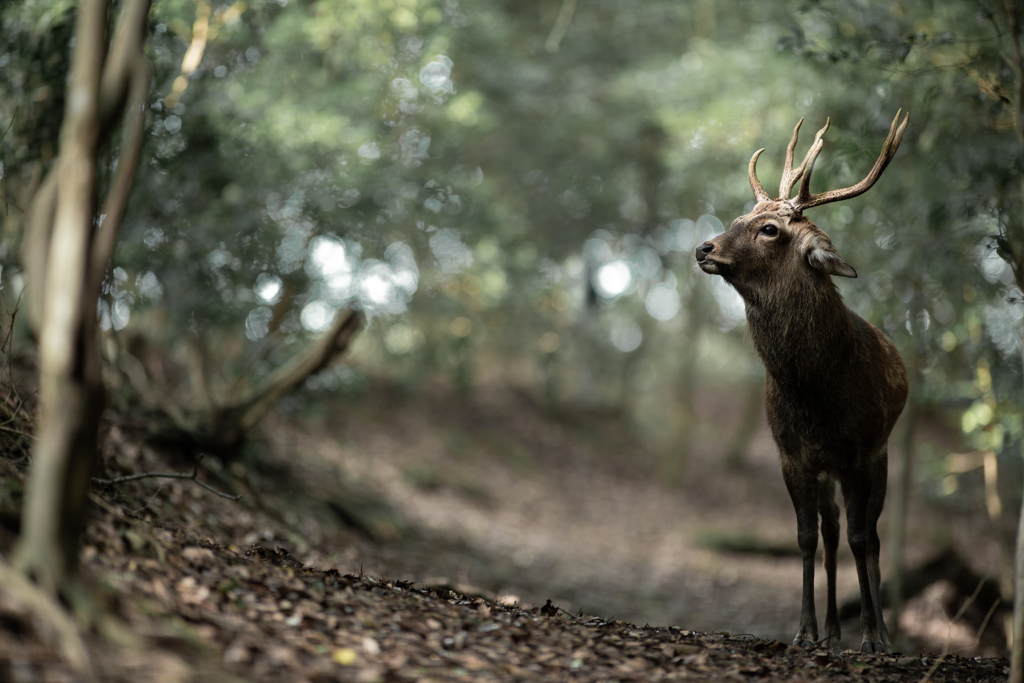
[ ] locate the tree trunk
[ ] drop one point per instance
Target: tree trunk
(71, 390)
(67, 254)
(1017, 645)
(905, 465)
(898, 518)
(1017, 264)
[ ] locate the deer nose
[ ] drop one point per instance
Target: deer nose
(703, 251)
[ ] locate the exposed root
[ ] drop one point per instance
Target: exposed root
(53, 623)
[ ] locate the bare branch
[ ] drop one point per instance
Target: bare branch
(327, 349)
(169, 475)
(124, 59)
(999, 37)
(561, 26)
(128, 159)
(984, 622)
(8, 129)
(949, 633)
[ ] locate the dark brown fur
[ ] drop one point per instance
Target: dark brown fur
(835, 387)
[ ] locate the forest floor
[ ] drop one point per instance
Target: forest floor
(425, 536)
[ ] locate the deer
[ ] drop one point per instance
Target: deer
(835, 384)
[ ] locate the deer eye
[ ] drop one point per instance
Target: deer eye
(769, 230)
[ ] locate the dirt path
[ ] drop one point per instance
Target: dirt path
(568, 507)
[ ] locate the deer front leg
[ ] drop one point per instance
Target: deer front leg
(803, 489)
(830, 535)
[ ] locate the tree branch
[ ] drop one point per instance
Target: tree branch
(131, 146)
(123, 61)
(169, 475)
(326, 350)
(561, 25)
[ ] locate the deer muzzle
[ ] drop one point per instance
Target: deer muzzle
(706, 263)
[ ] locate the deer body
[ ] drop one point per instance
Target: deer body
(835, 384)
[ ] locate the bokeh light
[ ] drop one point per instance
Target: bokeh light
(732, 310)
(626, 336)
(613, 278)
(316, 316)
(268, 288)
(662, 302)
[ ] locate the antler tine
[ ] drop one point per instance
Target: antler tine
(788, 176)
(807, 165)
(759, 194)
(806, 200)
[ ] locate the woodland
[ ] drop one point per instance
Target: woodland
(363, 340)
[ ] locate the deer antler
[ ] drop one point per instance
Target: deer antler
(759, 194)
(789, 176)
(805, 200)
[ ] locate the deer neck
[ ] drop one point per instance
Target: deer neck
(802, 333)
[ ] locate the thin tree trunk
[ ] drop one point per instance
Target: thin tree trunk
(905, 466)
(1017, 648)
(71, 389)
(1017, 264)
(66, 256)
(898, 517)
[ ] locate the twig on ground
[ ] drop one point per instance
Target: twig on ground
(981, 629)
(151, 498)
(949, 631)
(169, 475)
(984, 622)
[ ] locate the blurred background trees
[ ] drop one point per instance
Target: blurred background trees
(515, 189)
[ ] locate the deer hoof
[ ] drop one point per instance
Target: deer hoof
(876, 646)
(803, 642)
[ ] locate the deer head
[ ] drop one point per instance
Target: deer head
(776, 241)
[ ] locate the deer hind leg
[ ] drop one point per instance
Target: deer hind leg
(829, 511)
(863, 506)
(804, 492)
(876, 499)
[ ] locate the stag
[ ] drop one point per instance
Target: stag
(835, 383)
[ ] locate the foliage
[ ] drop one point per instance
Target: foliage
(462, 171)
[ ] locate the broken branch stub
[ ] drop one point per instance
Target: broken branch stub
(222, 429)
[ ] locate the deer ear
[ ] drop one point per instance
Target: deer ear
(824, 257)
